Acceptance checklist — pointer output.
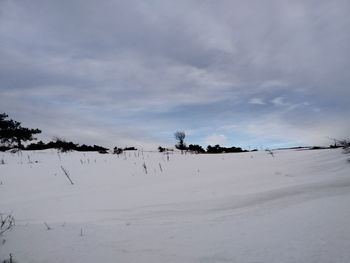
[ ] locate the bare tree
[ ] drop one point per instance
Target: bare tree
(180, 137)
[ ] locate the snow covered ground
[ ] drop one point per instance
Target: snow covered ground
(243, 207)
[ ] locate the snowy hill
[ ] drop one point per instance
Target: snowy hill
(153, 207)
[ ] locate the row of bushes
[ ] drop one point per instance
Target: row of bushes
(218, 149)
(210, 149)
(65, 146)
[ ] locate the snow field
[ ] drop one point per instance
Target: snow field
(242, 207)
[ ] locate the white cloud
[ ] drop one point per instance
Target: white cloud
(258, 101)
(279, 101)
(216, 139)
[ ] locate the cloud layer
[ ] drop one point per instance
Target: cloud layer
(269, 73)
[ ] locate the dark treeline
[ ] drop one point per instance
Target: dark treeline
(218, 149)
(65, 146)
(195, 148)
(13, 135)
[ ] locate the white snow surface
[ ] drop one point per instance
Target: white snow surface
(242, 207)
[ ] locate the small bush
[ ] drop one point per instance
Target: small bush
(117, 150)
(346, 145)
(4, 148)
(162, 149)
(130, 149)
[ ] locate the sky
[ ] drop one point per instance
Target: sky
(255, 74)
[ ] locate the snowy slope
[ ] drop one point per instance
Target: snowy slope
(246, 207)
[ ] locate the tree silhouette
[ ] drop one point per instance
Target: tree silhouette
(180, 137)
(196, 148)
(12, 132)
(218, 149)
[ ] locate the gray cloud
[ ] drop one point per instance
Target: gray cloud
(133, 71)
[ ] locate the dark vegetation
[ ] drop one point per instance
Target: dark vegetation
(11, 132)
(12, 135)
(65, 146)
(129, 149)
(117, 150)
(345, 144)
(218, 149)
(162, 149)
(180, 137)
(195, 148)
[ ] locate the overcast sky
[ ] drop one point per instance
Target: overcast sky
(244, 73)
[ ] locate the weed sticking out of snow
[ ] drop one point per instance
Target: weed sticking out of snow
(271, 153)
(65, 171)
(10, 259)
(47, 226)
(144, 167)
(7, 222)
